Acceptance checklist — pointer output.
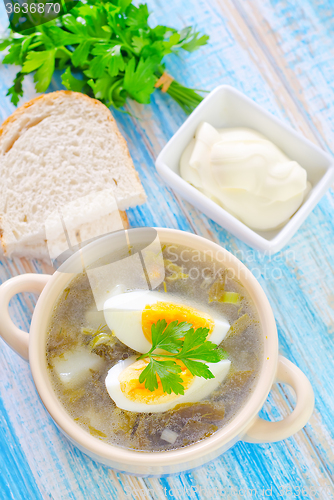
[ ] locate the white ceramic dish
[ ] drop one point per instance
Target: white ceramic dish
(227, 107)
(246, 425)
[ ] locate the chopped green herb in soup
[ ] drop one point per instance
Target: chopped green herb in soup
(156, 369)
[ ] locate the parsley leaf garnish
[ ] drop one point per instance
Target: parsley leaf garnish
(167, 337)
(112, 49)
(191, 351)
(168, 371)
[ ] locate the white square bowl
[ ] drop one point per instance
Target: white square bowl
(227, 107)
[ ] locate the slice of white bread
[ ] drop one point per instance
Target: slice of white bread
(59, 148)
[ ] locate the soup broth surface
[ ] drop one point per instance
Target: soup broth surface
(76, 322)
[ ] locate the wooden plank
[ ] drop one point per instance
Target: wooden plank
(295, 44)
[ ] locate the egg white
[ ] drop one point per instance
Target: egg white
(123, 315)
(198, 390)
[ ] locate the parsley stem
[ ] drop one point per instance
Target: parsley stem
(187, 98)
(65, 50)
(151, 355)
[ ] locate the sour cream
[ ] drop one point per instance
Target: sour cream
(246, 174)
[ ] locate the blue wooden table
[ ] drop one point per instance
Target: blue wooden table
(279, 53)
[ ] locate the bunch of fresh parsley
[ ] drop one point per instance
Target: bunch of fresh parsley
(105, 49)
(193, 348)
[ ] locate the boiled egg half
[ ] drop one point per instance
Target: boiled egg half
(130, 316)
(122, 383)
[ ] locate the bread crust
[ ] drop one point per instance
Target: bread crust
(53, 96)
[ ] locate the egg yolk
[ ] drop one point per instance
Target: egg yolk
(134, 391)
(172, 312)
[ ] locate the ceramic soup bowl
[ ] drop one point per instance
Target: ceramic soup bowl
(246, 425)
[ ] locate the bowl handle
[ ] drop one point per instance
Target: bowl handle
(17, 339)
(263, 431)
